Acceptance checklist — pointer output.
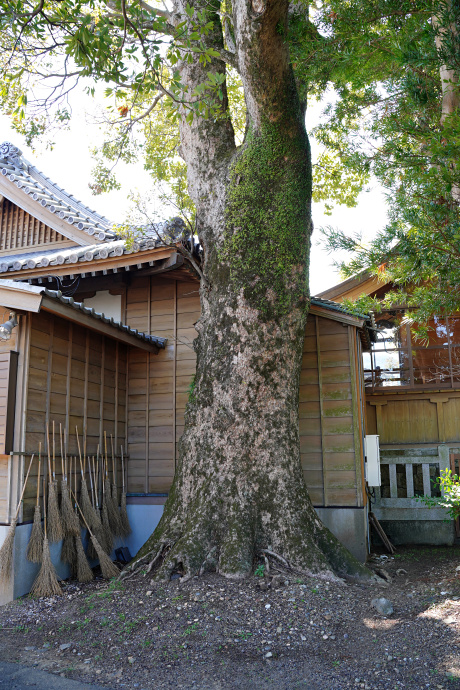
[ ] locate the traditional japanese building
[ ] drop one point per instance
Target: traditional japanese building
(100, 338)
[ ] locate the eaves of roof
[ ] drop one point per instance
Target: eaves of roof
(23, 297)
(335, 306)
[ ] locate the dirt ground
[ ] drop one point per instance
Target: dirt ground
(211, 633)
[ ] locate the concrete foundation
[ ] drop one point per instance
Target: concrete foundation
(433, 532)
(143, 520)
(349, 525)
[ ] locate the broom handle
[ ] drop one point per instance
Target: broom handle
(122, 469)
(91, 480)
(105, 446)
(114, 476)
(65, 453)
(54, 456)
(44, 501)
(96, 490)
(84, 452)
(48, 449)
(24, 488)
(62, 454)
(38, 479)
(78, 443)
(81, 468)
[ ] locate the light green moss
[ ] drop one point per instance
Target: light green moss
(268, 219)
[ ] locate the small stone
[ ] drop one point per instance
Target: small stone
(262, 585)
(325, 637)
(401, 571)
(130, 660)
(303, 638)
(268, 655)
(29, 649)
(268, 606)
(65, 646)
(149, 593)
(383, 606)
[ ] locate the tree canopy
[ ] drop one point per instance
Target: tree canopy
(395, 67)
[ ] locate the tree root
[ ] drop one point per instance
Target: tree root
(276, 556)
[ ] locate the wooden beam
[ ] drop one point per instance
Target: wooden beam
(18, 298)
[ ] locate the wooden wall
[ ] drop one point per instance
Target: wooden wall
(330, 421)
(414, 418)
(21, 231)
(330, 417)
(76, 377)
(158, 384)
(6, 346)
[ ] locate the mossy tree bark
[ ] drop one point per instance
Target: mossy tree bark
(239, 486)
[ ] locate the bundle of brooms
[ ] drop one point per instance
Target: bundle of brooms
(66, 523)
(7, 550)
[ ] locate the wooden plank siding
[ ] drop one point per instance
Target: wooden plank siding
(77, 378)
(330, 416)
(6, 349)
(330, 421)
(157, 388)
(401, 417)
(20, 232)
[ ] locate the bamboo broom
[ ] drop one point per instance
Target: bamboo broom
(6, 552)
(108, 568)
(112, 508)
(55, 530)
(69, 551)
(108, 535)
(123, 511)
(97, 526)
(85, 501)
(70, 521)
(46, 583)
(83, 571)
(35, 546)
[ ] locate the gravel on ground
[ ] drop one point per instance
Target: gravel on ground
(276, 631)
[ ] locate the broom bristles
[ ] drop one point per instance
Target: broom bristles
(55, 531)
(84, 572)
(35, 546)
(99, 533)
(68, 552)
(124, 517)
(70, 521)
(112, 511)
(46, 583)
(6, 555)
(86, 506)
(108, 536)
(108, 568)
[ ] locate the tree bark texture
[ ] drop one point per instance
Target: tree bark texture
(239, 486)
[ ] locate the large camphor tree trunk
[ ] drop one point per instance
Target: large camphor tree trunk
(239, 486)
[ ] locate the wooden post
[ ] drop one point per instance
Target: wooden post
(321, 410)
(174, 375)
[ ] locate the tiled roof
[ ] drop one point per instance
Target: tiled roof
(49, 195)
(71, 303)
(335, 306)
(57, 295)
(73, 255)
